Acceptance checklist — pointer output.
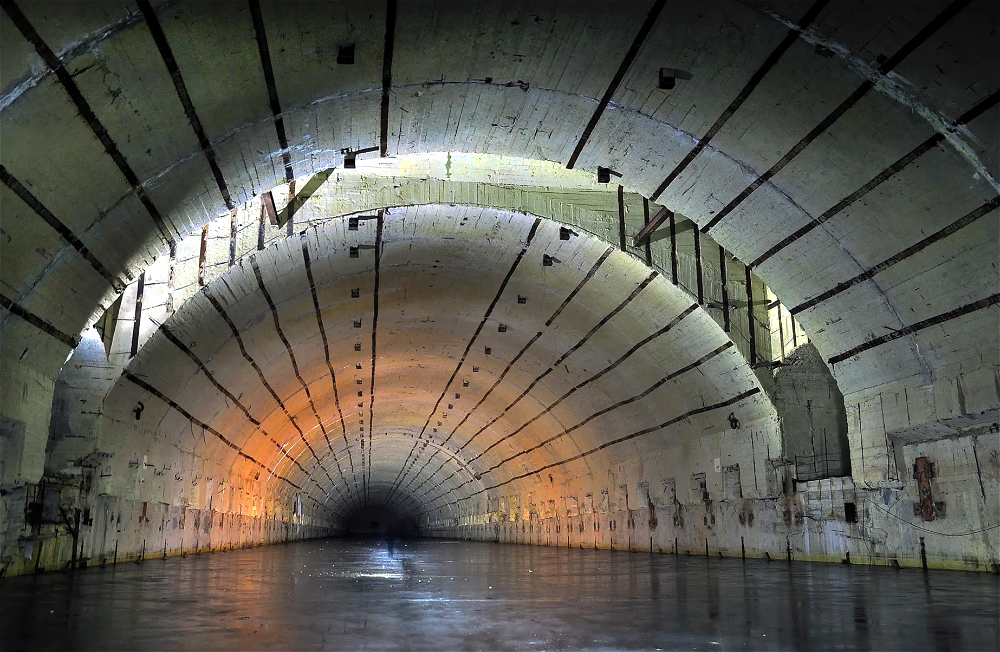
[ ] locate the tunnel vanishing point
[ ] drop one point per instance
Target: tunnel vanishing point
(713, 278)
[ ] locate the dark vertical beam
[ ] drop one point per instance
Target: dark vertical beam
(751, 331)
(272, 90)
(233, 229)
(725, 290)
(795, 336)
(621, 217)
(38, 322)
(407, 465)
(64, 231)
(290, 210)
(697, 263)
(202, 255)
(86, 112)
(166, 53)
(790, 38)
(140, 287)
(645, 215)
(673, 247)
(616, 81)
(272, 213)
(333, 376)
(390, 39)
(260, 227)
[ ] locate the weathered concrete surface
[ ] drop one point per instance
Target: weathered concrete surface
(854, 166)
(813, 417)
(572, 198)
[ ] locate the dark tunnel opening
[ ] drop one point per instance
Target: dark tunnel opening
(390, 334)
(379, 521)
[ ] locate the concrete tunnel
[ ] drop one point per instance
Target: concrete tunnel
(690, 278)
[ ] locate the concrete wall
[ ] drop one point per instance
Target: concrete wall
(848, 155)
(813, 416)
(660, 508)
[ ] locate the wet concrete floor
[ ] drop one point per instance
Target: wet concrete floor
(344, 594)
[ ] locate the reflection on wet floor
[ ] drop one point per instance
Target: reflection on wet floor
(439, 595)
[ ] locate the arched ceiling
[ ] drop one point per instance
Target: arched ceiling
(463, 364)
(848, 151)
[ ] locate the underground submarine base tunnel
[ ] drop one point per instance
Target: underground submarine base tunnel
(205, 346)
(588, 583)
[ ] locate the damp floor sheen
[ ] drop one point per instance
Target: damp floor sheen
(351, 594)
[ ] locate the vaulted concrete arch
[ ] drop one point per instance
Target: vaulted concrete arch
(847, 153)
(471, 391)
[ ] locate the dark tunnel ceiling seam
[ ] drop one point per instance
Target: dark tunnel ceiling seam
(790, 38)
(379, 225)
(918, 326)
(272, 91)
(322, 332)
(622, 244)
(489, 311)
(408, 496)
(229, 395)
(987, 103)
(38, 322)
(88, 115)
(167, 54)
(646, 247)
(587, 277)
(939, 21)
(673, 322)
(556, 364)
(64, 231)
(640, 433)
(590, 275)
(583, 340)
(955, 226)
(329, 365)
(291, 356)
(620, 404)
(638, 397)
(468, 347)
(390, 39)
(173, 404)
(253, 363)
(616, 81)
